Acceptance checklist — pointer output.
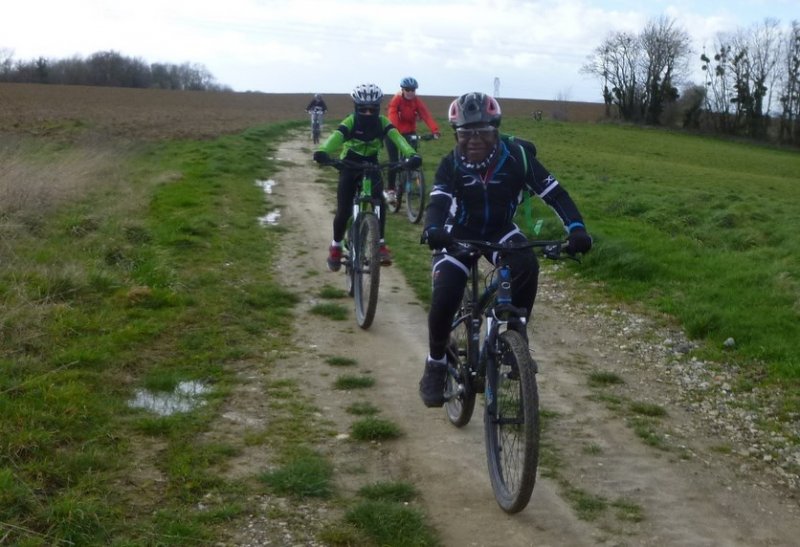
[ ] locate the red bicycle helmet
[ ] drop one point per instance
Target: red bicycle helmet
(474, 107)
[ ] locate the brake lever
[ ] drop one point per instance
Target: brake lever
(552, 252)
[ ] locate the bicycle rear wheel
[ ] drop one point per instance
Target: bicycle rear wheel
(415, 195)
(511, 423)
(366, 269)
(462, 358)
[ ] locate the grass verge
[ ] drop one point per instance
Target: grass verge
(150, 282)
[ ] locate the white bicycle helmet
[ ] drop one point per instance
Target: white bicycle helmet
(367, 95)
(409, 83)
(474, 107)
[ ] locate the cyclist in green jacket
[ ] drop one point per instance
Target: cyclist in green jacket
(360, 137)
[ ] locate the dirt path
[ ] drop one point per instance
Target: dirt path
(684, 493)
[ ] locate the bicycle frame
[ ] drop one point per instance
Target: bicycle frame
(362, 239)
(411, 184)
(493, 303)
(316, 117)
(316, 123)
(500, 365)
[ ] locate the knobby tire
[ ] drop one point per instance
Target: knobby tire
(512, 427)
(366, 270)
(349, 245)
(415, 195)
(462, 358)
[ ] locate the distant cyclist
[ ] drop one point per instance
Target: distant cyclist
(360, 136)
(477, 189)
(317, 102)
(403, 111)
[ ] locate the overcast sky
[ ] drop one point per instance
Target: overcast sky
(533, 48)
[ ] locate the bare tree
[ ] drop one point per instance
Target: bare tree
(717, 82)
(761, 49)
(108, 68)
(640, 73)
(615, 62)
(666, 50)
(6, 61)
(743, 76)
(789, 130)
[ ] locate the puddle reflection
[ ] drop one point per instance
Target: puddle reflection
(266, 185)
(187, 396)
(270, 219)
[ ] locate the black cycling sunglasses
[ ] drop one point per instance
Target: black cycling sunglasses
(484, 132)
(409, 89)
(367, 109)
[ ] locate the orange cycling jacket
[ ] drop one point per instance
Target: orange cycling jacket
(403, 113)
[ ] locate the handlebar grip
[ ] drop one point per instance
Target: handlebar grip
(552, 251)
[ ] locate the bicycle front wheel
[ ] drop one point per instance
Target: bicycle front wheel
(415, 195)
(511, 423)
(366, 269)
(462, 358)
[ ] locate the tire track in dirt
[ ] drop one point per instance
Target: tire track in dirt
(685, 497)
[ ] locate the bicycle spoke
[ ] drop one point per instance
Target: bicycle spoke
(415, 196)
(461, 392)
(366, 275)
(512, 424)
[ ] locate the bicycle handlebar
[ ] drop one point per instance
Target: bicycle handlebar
(551, 249)
(340, 164)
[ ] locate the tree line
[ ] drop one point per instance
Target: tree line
(751, 84)
(107, 68)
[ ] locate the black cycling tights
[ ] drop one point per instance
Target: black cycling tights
(449, 281)
(344, 201)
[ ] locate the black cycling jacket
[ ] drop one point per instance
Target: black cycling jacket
(480, 203)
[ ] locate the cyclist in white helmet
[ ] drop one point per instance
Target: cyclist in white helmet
(360, 137)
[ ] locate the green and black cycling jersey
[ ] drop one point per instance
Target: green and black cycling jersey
(361, 138)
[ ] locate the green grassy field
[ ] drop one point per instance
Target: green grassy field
(108, 287)
(700, 229)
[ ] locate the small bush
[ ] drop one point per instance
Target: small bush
(307, 475)
(331, 311)
(354, 382)
(374, 429)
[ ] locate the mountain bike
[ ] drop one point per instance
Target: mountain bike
(316, 123)
(362, 240)
(411, 183)
(494, 359)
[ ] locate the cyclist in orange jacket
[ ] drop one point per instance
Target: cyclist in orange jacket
(403, 111)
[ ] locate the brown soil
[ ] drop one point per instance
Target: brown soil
(682, 493)
(152, 114)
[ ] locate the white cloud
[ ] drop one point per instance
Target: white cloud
(536, 48)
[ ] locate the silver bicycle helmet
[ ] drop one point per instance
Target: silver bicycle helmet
(367, 95)
(474, 107)
(409, 83)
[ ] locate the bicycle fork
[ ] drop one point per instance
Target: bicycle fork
(360, 207)
(502, 314)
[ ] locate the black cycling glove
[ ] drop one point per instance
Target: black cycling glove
(436, 237)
